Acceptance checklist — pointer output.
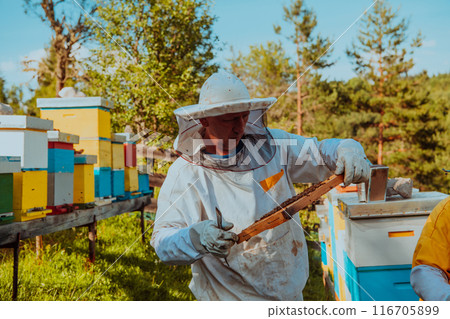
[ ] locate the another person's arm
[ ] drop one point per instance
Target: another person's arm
(431, 260)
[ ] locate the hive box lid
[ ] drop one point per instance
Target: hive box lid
(25, 122)
(85, 159)
(73, 102)
(118, 138)
(130, 137)
(421, 203)
(9, 164)
(57, 136)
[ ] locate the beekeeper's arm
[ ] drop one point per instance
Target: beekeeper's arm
(431, 262)
(180, 237)
(310, 161)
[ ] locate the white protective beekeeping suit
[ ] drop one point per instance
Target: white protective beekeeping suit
(249, 183)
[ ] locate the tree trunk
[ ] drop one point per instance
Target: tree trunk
(299, 99)
(380, 144)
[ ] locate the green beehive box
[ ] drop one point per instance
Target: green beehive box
(6, 191)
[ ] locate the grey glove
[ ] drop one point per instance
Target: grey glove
(207, 237)
(352, 161)
(399, 186)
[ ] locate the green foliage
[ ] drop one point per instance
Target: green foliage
(312, 52)
(64, 272)
(266, 71)
(382, 59)
(159, 55)
(45, 73)
(12, 96)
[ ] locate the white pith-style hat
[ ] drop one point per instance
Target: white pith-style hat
(223, 93)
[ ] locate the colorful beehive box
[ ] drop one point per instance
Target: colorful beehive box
(30, 195)
(87, 117)
(25, 136)
(61, 169)
(117, 152)
(129, 149)
(60, 151)
(131, 179)
(83, 179)
(103, 181)
(98, 147)
(378, 244)
(336, 224)
(144, 184)
(60, 189)
(118, 182)
(8, 166)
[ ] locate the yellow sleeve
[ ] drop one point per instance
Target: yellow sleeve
(433, 247)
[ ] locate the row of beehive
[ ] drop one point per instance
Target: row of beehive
(370, 258)
(90, 119)
(50, 162)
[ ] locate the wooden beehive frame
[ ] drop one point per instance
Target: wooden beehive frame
(288, 208)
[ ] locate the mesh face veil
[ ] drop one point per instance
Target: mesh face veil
(224, 93)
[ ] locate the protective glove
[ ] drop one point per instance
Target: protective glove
(352, 161)
(207, 237)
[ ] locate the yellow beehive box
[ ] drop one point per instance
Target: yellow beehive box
(117, 151)
(30, 190)
(23, 216)
(131, 179)
(85, 122)
(83, 184)
(100, 148)
(88, 117)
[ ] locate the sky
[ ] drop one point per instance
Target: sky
(241, 23)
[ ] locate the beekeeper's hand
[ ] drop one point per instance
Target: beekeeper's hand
(207, 237)
(352, 162)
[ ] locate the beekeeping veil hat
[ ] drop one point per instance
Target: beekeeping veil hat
(222, 93)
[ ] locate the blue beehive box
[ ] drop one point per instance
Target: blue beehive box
(103, 181)
(144, 186)
(118, 182)
(60, 160)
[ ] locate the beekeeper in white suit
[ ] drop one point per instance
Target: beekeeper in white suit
(229, 160)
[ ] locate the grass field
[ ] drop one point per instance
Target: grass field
(63, 272)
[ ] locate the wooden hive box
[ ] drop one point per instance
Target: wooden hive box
(131, 179)
(88, 117)
(83, 179)
(60, 151)
(25, 136)
(103, 181)
(98, 147)
(117, 152)
(129, 150)
(118, 182)
(8, 166)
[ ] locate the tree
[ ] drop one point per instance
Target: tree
(381, 58)
(152, 57)
(266, 71)
(12, 96)
(70, 31)
(311, 51)
(46, 78)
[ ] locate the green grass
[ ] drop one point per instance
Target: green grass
(63, 272)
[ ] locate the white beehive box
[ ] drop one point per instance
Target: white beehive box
(25, 136)
(389, 240)
(61, 137)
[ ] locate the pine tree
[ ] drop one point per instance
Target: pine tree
(311, 51)
(381, 58)
(266, 71)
